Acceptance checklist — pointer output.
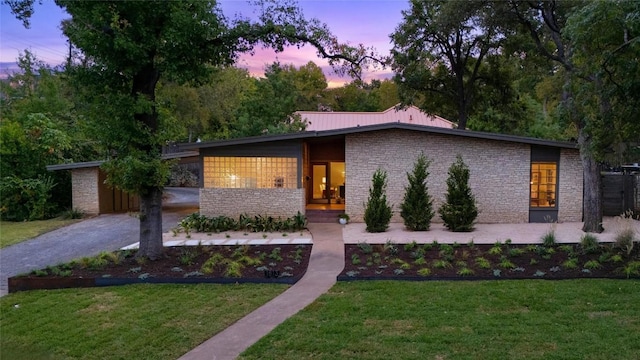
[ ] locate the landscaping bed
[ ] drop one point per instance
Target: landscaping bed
(181, 264)
(435, 261)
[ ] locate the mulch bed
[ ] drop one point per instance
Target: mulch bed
(478, 262)
(231, 264)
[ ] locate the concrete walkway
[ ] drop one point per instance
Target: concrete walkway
(326, 262)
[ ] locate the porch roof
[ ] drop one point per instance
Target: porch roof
(303, 135)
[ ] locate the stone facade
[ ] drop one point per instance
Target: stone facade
(232, 202)
(85, 188)
(570, 187)
(499, 175)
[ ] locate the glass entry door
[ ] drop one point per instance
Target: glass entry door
(319, 183)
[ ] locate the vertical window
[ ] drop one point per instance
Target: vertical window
(250, 172)
(543, 184)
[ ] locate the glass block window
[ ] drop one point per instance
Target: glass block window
(250, 172)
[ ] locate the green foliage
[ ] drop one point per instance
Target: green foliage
(589, 243)
(549, 238)
(459, 210)
(26, 199)
(417, 205)
(202, 223)
(377, 213)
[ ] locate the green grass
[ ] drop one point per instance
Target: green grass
(122, 322)
(15, 232)
(525, 319)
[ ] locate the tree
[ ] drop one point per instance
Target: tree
(439, 50)
(459, 211)
(130, 45)
(596, 44)
(417, 206)
(377, 212)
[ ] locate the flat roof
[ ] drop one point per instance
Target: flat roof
(97, 163)
(380, 127)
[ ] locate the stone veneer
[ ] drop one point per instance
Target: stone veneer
(570, 186)
(85, 187)
(232, 202)
(499, 179)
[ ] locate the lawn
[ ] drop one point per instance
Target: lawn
(15, 232)
(123, 322)
(516, 319)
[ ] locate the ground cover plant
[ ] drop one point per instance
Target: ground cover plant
(527, 319)
(207, 263)
(587, 259)
(160, 321)
(16, 232)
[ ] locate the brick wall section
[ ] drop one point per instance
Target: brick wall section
(499, 171)
(84, 185)
(570, 186)
(269, 202)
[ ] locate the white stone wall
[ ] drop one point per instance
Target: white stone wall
(499, 178)
(85, 187)
(232, 202)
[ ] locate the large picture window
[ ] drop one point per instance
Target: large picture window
(543, 184)
(250, 172)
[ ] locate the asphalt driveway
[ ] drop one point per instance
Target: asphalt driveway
(89, 237)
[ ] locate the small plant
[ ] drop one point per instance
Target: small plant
(461, 264)
(497, 272)
(424, 272)
(74, 213)
(483, 263)
(365, 248)
(398, 271)
(352, 273)
(570, 264)
(234, 269)
(442, 264)
(144, 276)
(555, 269)
(135, 269)
(518, 269)
(446, 249)
(275, 254)
(355, 259)
(625, 240)
(539, 273)
(420, 261)
(410, 246)
(516, 252)
(632, 269)
(391, 248)
(589, 244)
(187, 256)
(177, 269)
(533, 261)
(465, 271)
(506, 263)
(592, 265)
(343, 218)
(617, 258)
(549, 238)
(377, 213)
(495, 250)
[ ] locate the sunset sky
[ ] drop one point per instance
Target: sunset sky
(353, 21)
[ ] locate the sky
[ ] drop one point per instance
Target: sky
(367, 22)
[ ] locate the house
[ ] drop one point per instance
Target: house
(331, 120)
(514, 179)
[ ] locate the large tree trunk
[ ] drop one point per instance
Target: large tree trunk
(592, 201)
(151, 224)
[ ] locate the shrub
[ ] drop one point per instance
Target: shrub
(625, 240)
(589, 243)
(417, 205)
(459, 211)
(377, 213)
(26, 199)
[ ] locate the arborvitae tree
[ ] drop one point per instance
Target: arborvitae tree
(417, 205)
(377, 213)
(459, 211)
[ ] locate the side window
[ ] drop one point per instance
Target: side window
(543, 184)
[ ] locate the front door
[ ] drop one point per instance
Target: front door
(319, 180)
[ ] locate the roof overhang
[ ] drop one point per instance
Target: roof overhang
(93, 164)
(379, 127)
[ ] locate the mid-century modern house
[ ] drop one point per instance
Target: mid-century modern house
(514, 179)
